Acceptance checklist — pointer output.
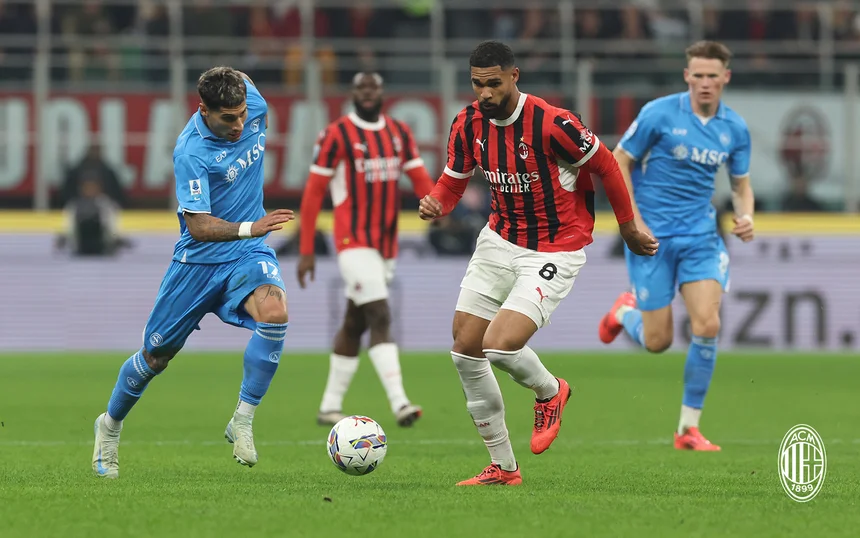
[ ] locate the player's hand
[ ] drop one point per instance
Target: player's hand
(271, 222)
(639, 242)
(307, 264)
(743, 228)
(429, 208)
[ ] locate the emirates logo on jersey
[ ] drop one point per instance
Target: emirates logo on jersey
(523, 150)
(511, 182)
(379, 169)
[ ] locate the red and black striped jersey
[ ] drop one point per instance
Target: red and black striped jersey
(365, 161)
(535, 164)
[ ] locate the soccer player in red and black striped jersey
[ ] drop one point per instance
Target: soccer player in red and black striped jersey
(539, 161)
(361, 157)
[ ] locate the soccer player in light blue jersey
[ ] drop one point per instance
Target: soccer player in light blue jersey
(220, 262)
(670, 156)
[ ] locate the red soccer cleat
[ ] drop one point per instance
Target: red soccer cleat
(609, 327)
(494, 475)
(694, 440)
(548, 418)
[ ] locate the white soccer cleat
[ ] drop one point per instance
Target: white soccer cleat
(106, 450)
(240, 434)
(408, 414)
(329, 418)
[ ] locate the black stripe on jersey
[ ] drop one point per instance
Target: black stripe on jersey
(510, 199)
(368, 192)
(546, 178)
(589, 203)
(331, 156)
(529, 195)
(391, 227)
(459, 154)
(405, 139)
(485, 165)
(384, 185)
(469, 131)
(351, 181)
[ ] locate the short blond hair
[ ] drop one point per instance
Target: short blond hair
(711, 50)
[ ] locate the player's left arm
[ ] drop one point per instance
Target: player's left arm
(413, 164)
(573, 143)
(743, 198)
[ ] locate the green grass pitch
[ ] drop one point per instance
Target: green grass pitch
(612, 472)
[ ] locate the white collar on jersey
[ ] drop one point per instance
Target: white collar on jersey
(513, 117)
(377, 125)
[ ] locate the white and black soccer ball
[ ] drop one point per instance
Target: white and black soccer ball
(357, 445)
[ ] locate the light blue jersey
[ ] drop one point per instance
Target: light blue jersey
(678, 155)
(222, 178)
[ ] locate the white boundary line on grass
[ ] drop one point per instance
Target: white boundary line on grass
(405, 442)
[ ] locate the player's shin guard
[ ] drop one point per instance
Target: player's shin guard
(261, 361)
(632, 321)
(525, 368)
(134, 375)
(485, 405)
(701, 359)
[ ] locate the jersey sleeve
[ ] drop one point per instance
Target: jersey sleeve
(192, 184)
(642, 134)
(461, 160)
(739, 159)
(328, 152)
(571, 141)
(411, 158)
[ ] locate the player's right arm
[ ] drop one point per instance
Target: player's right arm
(328, 152)
(633, 146)
(192, 192)
(458, 170)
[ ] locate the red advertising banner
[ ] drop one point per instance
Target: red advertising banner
(137, 132)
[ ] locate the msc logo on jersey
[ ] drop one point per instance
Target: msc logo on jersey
(246, 161)
(705, 156)
(802, 463)
(708, 156)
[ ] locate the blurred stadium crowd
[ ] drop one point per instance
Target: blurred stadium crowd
(268, 34)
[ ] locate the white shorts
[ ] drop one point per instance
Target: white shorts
(366, 274)
(503, 275)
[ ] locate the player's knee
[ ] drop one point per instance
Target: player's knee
(708, 327)
(275, 315)
(657, 342)
(157, 362)
(501, 342)
(465, 345)
(272, 312)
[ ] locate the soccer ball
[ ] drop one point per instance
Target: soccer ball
(357, 445)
